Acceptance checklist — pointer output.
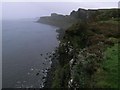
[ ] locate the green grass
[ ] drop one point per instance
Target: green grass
(107, 75)
(109, 21)
(61, 77)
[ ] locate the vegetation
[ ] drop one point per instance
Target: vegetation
(107, 75)
(88, 50)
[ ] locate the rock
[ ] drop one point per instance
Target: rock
(53, 52)
(45, 82)
(44, 63)
(70, 83)
(41, 85)
(50, 56)
(37, 74)
(42, 71)
(68, 42)
(50, 62)
(58, 41)
(46, 70)
(31, 69)
(43, 77)
(71, 62)
(41, 54)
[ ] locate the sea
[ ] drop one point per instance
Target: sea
(26, 46)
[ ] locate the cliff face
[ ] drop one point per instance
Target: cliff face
(65, 21)
(87, 34)
(57, 20)
(81, 15)
(81, 54)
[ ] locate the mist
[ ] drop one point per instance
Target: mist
(19, 10)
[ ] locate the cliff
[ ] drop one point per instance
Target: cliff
(58, 20)
(81, 15)
(83, 53)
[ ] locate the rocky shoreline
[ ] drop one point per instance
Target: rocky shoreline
(54, 58)
(55, 62)
(50, 73)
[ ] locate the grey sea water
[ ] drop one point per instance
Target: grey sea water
(23, 42)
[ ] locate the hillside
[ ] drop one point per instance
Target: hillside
(81, 15)
(88, 50)
(57, 20)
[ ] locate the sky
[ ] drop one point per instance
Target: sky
(17, 10)
(60, 0)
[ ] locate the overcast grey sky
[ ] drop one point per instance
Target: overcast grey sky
(18, 10)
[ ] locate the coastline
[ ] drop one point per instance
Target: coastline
(81, 50)
(55, 62)
(50, 73)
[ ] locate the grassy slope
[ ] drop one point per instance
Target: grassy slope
(107, 75)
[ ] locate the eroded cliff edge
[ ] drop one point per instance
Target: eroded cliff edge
(83, 52)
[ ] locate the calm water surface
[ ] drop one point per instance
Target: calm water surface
(22, 44)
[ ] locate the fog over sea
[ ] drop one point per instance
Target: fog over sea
(23, 42)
